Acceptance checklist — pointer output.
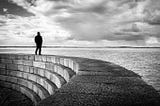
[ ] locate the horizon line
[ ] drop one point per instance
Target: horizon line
(51, 46)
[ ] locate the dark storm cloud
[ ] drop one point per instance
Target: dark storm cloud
(152, 12)
(153, 18)
(12, 8)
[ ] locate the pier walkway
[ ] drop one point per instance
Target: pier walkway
(74, 81)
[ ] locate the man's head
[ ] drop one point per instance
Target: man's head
(38, 33)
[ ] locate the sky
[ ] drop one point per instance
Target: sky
(80, 22)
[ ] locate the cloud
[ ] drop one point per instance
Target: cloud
(19, 30)
(95, 20)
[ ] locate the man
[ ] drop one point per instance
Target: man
(38, 41)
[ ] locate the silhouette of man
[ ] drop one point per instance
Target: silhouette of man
(38, 41)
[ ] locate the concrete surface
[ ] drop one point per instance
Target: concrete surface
(100, 83)
(74, 81)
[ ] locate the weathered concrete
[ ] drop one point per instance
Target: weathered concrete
(73, 81)
(100, 83)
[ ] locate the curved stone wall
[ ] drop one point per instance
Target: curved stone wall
(48, 81)
(36, 76)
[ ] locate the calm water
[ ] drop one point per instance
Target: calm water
(145, 61)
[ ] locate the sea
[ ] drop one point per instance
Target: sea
(143, 61)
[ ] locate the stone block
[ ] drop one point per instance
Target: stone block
(37, 58)
(35, 70)
(15, 57)
(55, 80)
(39, 64)
(41, 72)
(44, 58)
(66, 75)
(25, 75)
(53, 59)
(12, 67)
(66, 62)
(20, 74)
(50, 89)
(7, 72)
(6, 61)
(31, 57)
(28, 63)
(55, 68)
(24, 91)
(20, 67)
(25, 57)
(61, 61)
(59, 70)
(38, 72)
(22, 82)
(15, 87)
(31, 69)
(11, 56)
(20, 57)
(1, 56)
(47, 74)
(75, 67)
(49, 66)
(40, 93)
(35, 88)
(57, 60)
(44, 84)
(12, 79)
(2, 66)
(8, 85)
(32, 77)
(14, 73)
(18, 62)
(40, 81)
(4, 56)
(49, 58)
(40, 58)
(2, 71)
(71, 64)
(26, 68)
(30, 85)
(3, 78)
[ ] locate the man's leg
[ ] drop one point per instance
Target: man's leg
(36, 50)
(39, 50)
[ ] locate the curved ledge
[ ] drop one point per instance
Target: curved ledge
(42, 75)
(96, 82)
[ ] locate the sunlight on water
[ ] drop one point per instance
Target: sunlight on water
(145, 61)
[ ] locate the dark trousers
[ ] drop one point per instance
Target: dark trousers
(38, 48)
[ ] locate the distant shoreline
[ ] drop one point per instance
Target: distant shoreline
(74, 47)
